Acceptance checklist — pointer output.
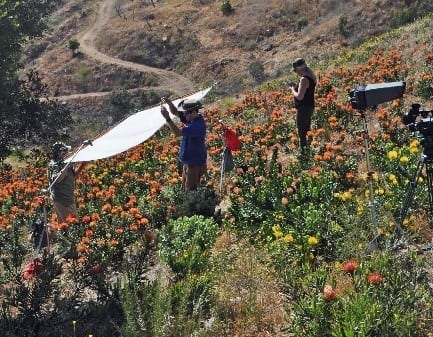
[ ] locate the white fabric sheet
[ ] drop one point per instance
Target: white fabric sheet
(132, 131)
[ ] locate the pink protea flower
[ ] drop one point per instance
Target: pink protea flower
(350, 266)
(329, 293)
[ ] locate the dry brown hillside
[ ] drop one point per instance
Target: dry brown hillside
(179, 46)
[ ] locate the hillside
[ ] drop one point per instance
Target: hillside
(133, 52)
(194, 39)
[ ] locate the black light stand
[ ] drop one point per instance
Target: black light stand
(38, 229)
(373, 244)
(361, 98)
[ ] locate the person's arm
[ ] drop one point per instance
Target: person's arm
(303, 86)
(173, 127)
(171, 106)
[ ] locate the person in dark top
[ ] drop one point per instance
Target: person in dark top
(61, 177)
(303, 94)
(193, 152)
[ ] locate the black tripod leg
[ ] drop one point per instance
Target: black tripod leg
(408, 199)
(429, 171)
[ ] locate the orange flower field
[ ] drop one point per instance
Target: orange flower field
(307, 214)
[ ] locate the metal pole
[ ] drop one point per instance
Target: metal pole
(373, 245)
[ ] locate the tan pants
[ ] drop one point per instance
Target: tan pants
(191, 176)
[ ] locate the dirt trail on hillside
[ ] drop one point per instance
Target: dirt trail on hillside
(168, 79)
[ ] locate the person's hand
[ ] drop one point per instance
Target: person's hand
(166, 100)
(164, 113)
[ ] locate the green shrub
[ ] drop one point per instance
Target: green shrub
(257, 71)
(302, 22)
(226, 7)
(83, 76)
(342, 24)
(185, 244)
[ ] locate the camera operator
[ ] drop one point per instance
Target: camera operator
(61, 178)
(193, 152)
(303, 95)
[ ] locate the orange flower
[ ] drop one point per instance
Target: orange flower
(81, 248)
(375, 278)
(106, 208)
(63, 226)
(114, 243)
(134, 212)
(95, 217)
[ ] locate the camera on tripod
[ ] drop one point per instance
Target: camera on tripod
(370, 95)
(424, 126)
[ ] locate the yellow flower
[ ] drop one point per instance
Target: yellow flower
(420, 180)
(414, 143)
(393, 179)
(404, 159)
(392, 154)
(278, 234)
(413, 150)
(379, 191)
(277, 231)
(288, 238)
(312, 241)
(346, 196)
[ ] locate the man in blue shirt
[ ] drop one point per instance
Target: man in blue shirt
(193, 152)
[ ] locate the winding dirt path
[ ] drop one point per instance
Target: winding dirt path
(168, 79)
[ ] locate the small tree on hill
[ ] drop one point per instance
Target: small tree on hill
(74, 45)
(226, 7)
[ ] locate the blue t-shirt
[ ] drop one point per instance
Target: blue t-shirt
(193, 147)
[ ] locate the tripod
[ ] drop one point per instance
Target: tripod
(425, 162)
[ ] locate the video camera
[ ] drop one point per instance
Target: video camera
(424, 126)
(369, 95)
